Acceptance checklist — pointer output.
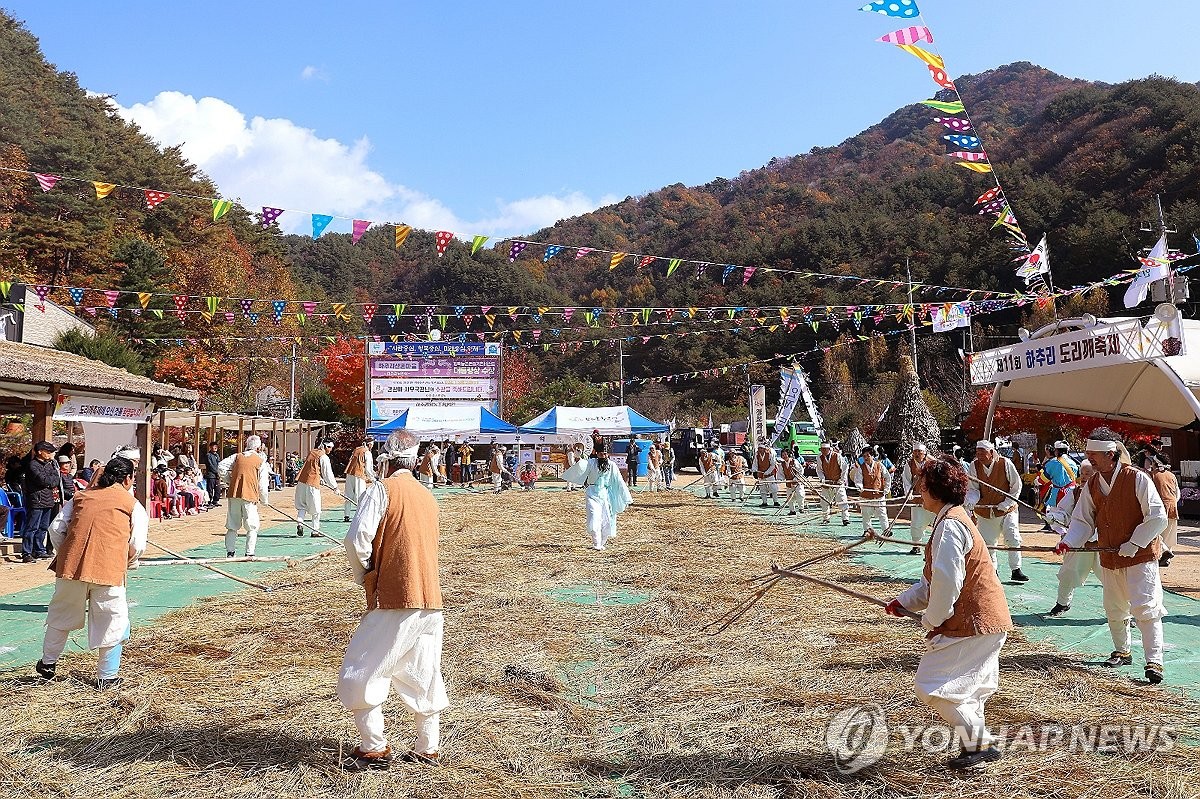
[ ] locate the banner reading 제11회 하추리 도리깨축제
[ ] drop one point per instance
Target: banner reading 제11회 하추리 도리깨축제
(1105, 344)
(408, 374)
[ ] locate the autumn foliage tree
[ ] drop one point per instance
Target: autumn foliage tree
(1047, 426)
(191, 367)
(344, 375)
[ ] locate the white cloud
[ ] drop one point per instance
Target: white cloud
(277, 163)
(310, 73)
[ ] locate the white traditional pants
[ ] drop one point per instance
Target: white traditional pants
(1075, 568)
(921, 519)
(768, 489)
(497, 481)
(1000, 529)
(107, 616)
(1170, 536)
(710, 483)
(355, 488)
(795, 498)
(308, 504)
(601, 521)
(654, 477)
(872, 511)
(1135, 591)
(239, 514)
(834, 495)
(426, 480)
(737, 489)
(955, 678)
(401, 650)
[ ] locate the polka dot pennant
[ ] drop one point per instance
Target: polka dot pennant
(954, 123)
(319, 223)
(269, 215)
(965, 142)
(515, 249)
(904, 9)
(940, 77)
(153, 198)
(442, 239)
(989, 195)
(76, 295)
(551, 251)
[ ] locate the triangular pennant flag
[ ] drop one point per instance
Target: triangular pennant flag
(319, 223)
(974, 167)
(398, 308)
(726, 273)
(153, 198)
(442, 239)
(269, 215)
(515, 250)
(989, 195)
(749, 271)
(491, 320)
(157, 312)
(933, 61)
(246, 305)
(476, 243)
(910, 35)
(277, 306)
(700, 270)
(616, 258)
(229, 316)
(551, 251)
(47, 181)
(110, 297)
(968, 156)
(213, 303)
(205, 315)
(906, 9)
(103, 189)
(339, 309)
(368, 311)
(673, 265)
(402, 232)
(645, 315)
(358, 228)
(940, 77)
(468, 319)
(220, 208)
(42, 292)
(955, 107)
(645, 261)
(253, 317)
(76, 295)
(582, 251)
(309, 306)
(567, 314)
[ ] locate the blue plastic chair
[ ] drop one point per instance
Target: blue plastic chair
(15, 522)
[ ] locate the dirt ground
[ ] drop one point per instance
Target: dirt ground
(571, 673)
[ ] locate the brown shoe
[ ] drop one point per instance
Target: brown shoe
(425, 759)
(359, 760)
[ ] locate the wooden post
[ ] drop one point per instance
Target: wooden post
(212, 436)
(141, 482)
(196, 440)
(43, 421)
(274, 450)
(241, 433)
(162, 433)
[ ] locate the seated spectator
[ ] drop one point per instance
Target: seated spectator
(85, 474)
(186, 487)
(164, 490)
(528, 476)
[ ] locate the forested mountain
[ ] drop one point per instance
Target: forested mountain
(1078, 160)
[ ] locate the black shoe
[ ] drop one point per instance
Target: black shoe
(345, 518)
(1018, 576)
(28, 559)
(974, 758)
(111, 682)
(791, 513)
(1165, 559)
(1154, 673)
(299, 530)
(915, 551)
(845, 522)
(1058, 609)
(778, 505)
(430, 759)
(1119, 659)
(46, 672)
(368, 761)
(229, 554)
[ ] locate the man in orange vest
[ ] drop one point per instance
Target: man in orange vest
(766, 470)
(1121, 507)
(833, 471)
(392, 546)
(873, 482)
(965, 614)
(317, 471)
(996, 514)
(1168, 492)
(914, 483)
(246, 474)
(709, 468)
(97, 536)
(793, 476)
(360, 471)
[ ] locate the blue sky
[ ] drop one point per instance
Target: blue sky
(498, 118)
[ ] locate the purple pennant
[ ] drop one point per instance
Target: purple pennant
(515, 250)
(359, 228)
(246, 306)
(956, 124)
(269, 215)
(42, 292)
(994, 207)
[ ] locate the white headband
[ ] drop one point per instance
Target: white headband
(989, 446)
(411, 452)
(920, 448)
(1100, 445)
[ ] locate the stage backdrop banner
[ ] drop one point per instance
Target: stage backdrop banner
(76, 408)
(413, 374)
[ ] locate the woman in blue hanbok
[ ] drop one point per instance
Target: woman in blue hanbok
(605, 494)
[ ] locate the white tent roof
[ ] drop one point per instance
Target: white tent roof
(1161, 393)
(230, 421)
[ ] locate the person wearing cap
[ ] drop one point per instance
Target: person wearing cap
(392, 547)
(872, 482)
(466, 468)
(709, 466)
(1120, 506)
(98, 535)
(316, 472)
(994, 482)
(766, 469)
(834, 472)
(1168, 492)
(1076, 565)
(39, 489)
(914, 484)
(66, 477)
(498, 468)
(246, 473)
(965, 615)
(792, 472)
(1059, 475)
(735, 470)
(360, 471)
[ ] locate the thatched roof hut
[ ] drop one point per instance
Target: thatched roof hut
(37, 373)
(908, 419)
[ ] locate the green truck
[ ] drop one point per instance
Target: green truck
(802, 435)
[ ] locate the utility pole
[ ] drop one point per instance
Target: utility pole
(292, 389)
(621, 372)
(912, 326)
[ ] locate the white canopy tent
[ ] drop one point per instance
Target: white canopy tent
(1164, 392)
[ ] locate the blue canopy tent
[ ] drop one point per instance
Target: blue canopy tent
(445, 422)
(619, 420)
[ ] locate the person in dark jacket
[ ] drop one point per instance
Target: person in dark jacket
(41, 493)
(212, 473)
